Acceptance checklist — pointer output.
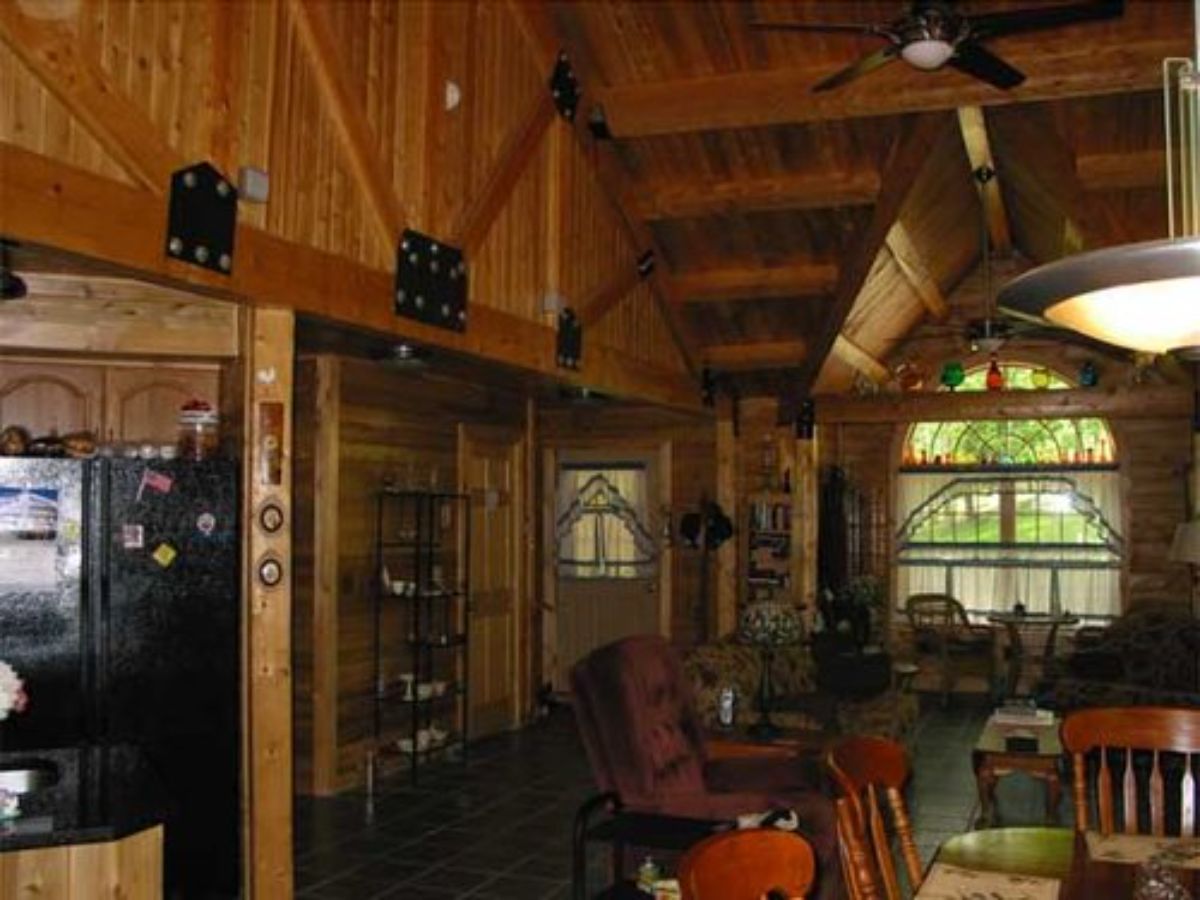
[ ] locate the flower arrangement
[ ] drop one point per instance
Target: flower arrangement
(13, 698)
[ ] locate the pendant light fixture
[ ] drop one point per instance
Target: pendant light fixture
(1142, 296)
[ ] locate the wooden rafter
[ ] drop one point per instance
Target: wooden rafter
(1122, 171)
(511, 162)
(606, 297)
(753, 282)
(755, 356)
(1035, 152)
(53, 53)
(317, 38)
(912, 265)
(544, 41)
(845, 349)
(910, 152)
(51, 204)
(973, 126)
(798, 191)
(1056, 69)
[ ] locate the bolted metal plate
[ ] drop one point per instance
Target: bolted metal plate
(431, 282)
(569, 345)
(564, 88)
(202, 218)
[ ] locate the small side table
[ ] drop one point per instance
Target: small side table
(992, 759)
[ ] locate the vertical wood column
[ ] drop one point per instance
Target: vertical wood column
(806, 487)
(725, 607)
(268, 356)
(326, 543)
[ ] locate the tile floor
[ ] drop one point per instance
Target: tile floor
(500, 828)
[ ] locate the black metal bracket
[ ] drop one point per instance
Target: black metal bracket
(708, 387)
(202, 218)
(431, 282)
(645, 265)
(598, 124)
(806, 421)
(569, 345)
(564, 88)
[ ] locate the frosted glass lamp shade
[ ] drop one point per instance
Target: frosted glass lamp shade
(927, 54)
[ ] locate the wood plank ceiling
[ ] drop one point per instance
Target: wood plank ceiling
(803, 235)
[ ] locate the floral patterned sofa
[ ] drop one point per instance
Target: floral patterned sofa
(1149, 656)
(798, 703)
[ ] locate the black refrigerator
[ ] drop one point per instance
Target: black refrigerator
(119, 606)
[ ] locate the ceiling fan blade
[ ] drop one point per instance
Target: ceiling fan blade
(977, 60)
(857, 69)
(1015, 21)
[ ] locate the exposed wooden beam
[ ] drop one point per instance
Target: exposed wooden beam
(754, 283)
(317, 38)
(973, 126)
(855, 356)
(54, 54)
(912, 265)
(1118, 402)
(541, 34)
(50, 204)
(1122, 171)
(606, 297)
(511, 162)
(798, 190)
(1057, 68)
(911, 150)
(751, 357)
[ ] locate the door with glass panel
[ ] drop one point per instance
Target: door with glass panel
(606, 555)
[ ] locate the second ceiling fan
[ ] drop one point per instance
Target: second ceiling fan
(933, 34)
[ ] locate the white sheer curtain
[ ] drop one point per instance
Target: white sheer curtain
(590, 544)
(965, 572)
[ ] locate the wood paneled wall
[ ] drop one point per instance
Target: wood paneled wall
(687, 457)
(358, 423)
(346, 106)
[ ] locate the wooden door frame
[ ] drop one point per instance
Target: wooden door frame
(517, 439)
(659, 454)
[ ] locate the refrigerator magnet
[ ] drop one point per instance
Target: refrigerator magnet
(156, 481)
(164, 555)
(133, 537)
(205, 523)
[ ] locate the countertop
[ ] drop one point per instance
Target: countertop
(103, 793)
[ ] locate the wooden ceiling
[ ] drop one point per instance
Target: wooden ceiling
(804, 235)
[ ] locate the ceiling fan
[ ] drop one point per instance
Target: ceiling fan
(933, 34)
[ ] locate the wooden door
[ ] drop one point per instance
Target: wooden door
(491, 471)
(595, 608)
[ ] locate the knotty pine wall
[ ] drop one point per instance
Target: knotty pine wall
(357, 423)
(236, 83)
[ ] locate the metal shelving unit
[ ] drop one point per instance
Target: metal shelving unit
(421, 615)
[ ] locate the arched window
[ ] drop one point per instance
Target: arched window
(1009, 511)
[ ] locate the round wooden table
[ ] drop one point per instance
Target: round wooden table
(1050, 853)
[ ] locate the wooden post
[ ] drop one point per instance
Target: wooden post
(727, 497)
(267, 359)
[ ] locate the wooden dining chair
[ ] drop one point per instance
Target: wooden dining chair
(869, 772)
(750, 864)
(1108, 747)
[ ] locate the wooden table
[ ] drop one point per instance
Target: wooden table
(1049, 853)
(992, 759)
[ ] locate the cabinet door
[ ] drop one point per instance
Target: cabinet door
(46, 397)
(142, 404)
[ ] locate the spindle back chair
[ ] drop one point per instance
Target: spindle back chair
(750, 864)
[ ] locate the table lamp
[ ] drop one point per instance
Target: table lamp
(768, 625)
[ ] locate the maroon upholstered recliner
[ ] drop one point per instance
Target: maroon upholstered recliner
(643, 737)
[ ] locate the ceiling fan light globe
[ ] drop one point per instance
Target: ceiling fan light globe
(927, 54)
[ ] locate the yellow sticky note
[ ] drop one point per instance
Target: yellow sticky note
(164, 554)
